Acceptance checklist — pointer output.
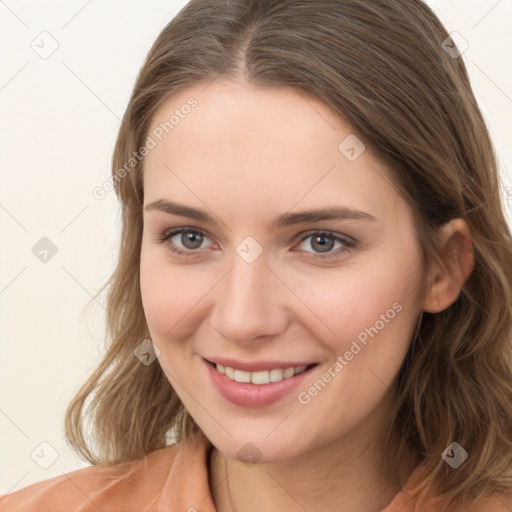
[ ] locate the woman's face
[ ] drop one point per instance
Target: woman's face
(261, 285)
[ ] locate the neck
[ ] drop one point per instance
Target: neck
(335, 478)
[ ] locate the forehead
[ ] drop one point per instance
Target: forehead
(260, 146)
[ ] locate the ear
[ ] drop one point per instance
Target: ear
(457, 255)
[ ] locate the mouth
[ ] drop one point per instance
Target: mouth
(268, 383)
(260, 377)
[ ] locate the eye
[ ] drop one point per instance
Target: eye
(191, 240)
(325, 241)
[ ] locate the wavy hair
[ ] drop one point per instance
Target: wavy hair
(383, 67)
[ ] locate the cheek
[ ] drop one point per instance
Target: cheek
(166, 300)
(373, 314)
(160, 299)
(172, 295)
(374, 299)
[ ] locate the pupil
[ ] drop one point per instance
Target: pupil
(324, 247)
(193, 238)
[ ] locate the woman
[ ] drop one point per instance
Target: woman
(313, 294)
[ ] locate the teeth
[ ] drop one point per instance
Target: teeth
(288, 373)
(276, 375)
(241, 376)
(262, 377)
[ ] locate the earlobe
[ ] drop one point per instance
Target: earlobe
(457, 253)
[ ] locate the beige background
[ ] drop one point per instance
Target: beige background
(60, 117)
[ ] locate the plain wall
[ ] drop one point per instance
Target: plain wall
(60, 114)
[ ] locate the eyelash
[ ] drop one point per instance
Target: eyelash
(348, 243)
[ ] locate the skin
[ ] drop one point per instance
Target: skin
(247, 155)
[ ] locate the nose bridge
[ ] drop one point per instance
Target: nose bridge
(247, 304)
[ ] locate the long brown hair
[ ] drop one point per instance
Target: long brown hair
(384, 67)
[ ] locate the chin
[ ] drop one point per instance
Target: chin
(261, 447)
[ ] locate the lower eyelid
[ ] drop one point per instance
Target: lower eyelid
(171, 233)
(348, 244)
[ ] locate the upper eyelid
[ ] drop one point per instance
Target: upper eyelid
(171, 232)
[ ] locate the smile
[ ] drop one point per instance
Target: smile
(260, 387)
(261, 377)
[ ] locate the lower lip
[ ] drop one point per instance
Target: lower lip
(254, 396)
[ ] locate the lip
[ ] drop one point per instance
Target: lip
(258, 366)
(254, 396)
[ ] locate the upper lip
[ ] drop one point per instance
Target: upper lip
(257, 366)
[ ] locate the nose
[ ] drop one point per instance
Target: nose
(250, 302)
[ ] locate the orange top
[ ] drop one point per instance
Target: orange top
(172, 479)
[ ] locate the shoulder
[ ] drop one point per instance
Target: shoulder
(498, 503)
(404, 502)
(128, 486)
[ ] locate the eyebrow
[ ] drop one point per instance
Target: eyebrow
(286, 219)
